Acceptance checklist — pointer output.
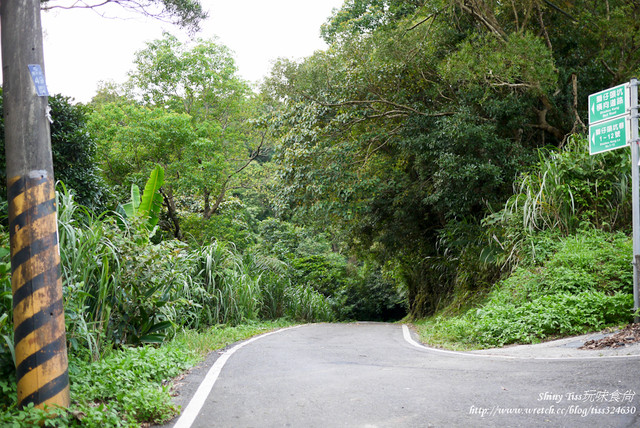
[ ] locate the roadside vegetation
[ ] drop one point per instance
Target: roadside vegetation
(430, 165)
(561, 243)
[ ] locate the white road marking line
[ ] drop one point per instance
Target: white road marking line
(192, 410)
(407, 336)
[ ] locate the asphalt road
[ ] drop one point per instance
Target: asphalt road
(368, 375)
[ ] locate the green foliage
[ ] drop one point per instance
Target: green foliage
(418, 117)
(130, 209)
(583, 285)
(371, 296)
(7, 351)
(303, 303)
(133, 140)
(128, 387)
(383, 141)
(483, 62)
(355, 290)
(357, 17)
(325, 273)
(198, 78)
(196, 121)
(568, 186)
(148, 207)
(131, 381)
(121, 288)
(233, 223)
(241, 287)
(74, 152)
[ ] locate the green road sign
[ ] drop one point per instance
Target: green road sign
(609, 103)
(610, 135)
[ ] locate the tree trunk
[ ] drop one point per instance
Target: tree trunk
(211, 210)
(169, 202)
(207, 205)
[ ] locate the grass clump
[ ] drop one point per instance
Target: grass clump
(583, 285)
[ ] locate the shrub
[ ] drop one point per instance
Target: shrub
(585, 285)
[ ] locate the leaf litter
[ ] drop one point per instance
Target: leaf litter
(627, 336)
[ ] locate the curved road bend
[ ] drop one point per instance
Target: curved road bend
(368, 375)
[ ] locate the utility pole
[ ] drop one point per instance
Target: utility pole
(38, 314)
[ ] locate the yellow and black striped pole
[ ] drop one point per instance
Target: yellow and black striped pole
(38, 314)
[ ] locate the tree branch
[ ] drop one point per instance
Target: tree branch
(471, 7)
(578, 124)
(422, 22)
(542, 120)
(208, 212)
(553, 6)
(185, 13)
(544, 28)
(400, 108)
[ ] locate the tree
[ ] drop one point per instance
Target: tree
(412, 126)
(200, 80)
(74, 152)
(357, 17)
(185, 13)
(132, 140)
(195, 120)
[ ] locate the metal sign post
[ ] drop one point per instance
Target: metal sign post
(613, 123)
(635, 189)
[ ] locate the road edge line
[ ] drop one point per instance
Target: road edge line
(190, 413)
(406, 333)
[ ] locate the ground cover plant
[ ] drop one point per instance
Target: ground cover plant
(578, 283)
(563, 245)
(130, 386)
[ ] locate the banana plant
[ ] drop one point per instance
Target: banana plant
(147, 207)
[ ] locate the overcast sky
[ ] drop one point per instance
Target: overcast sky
(82, 48)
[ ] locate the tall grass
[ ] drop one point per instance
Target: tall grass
(567, 187)
(580, 283)
(565, 191)
(245, 287)
(544, 198)
(90, 272)
(120, 288)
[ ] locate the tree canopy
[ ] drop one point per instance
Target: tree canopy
(417, 119)
(187, 110)
(401, 141)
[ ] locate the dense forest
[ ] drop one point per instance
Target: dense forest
(431, 164)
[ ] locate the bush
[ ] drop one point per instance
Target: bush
(585, 285)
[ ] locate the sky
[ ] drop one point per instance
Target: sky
(82, 48)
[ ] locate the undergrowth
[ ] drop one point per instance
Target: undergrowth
(583, 284)
(129, 387)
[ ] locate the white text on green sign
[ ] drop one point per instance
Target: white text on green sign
(609, 103)
(610, 135)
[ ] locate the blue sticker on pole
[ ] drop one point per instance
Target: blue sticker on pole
(38, 79)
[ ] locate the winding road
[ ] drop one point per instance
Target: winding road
(373, 375)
